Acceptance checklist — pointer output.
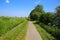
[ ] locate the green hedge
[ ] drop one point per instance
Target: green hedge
(52, 30)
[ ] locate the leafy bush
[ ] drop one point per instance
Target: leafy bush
(52, 30)
(47, 18)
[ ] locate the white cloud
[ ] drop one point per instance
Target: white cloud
(37, 2)
(7, 1)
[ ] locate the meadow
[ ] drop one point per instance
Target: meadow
(12, 28)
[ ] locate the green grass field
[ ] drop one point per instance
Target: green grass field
(13, 28)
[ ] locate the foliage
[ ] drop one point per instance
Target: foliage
(52, 30)
(58, 9)
(47, 18)
(50, 21)
(57, 20)
(39, 8)
(35, 13)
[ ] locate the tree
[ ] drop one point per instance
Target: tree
(50, 17)
(47, 18)
(58, 9)
(35, 13)
(39, 8)
(58, 15)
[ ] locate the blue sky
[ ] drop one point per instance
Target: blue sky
(22, 8)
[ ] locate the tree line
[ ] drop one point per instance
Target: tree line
(48, 18)
(50, 21)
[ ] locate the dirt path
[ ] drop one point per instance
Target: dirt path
(32, 33)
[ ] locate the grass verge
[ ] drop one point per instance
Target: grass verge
(8, 23)
(45, 35)
(15, 32)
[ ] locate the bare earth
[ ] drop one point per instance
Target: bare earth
(32, 33)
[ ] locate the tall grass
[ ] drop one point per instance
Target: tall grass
(7, 23)
(17, 33)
